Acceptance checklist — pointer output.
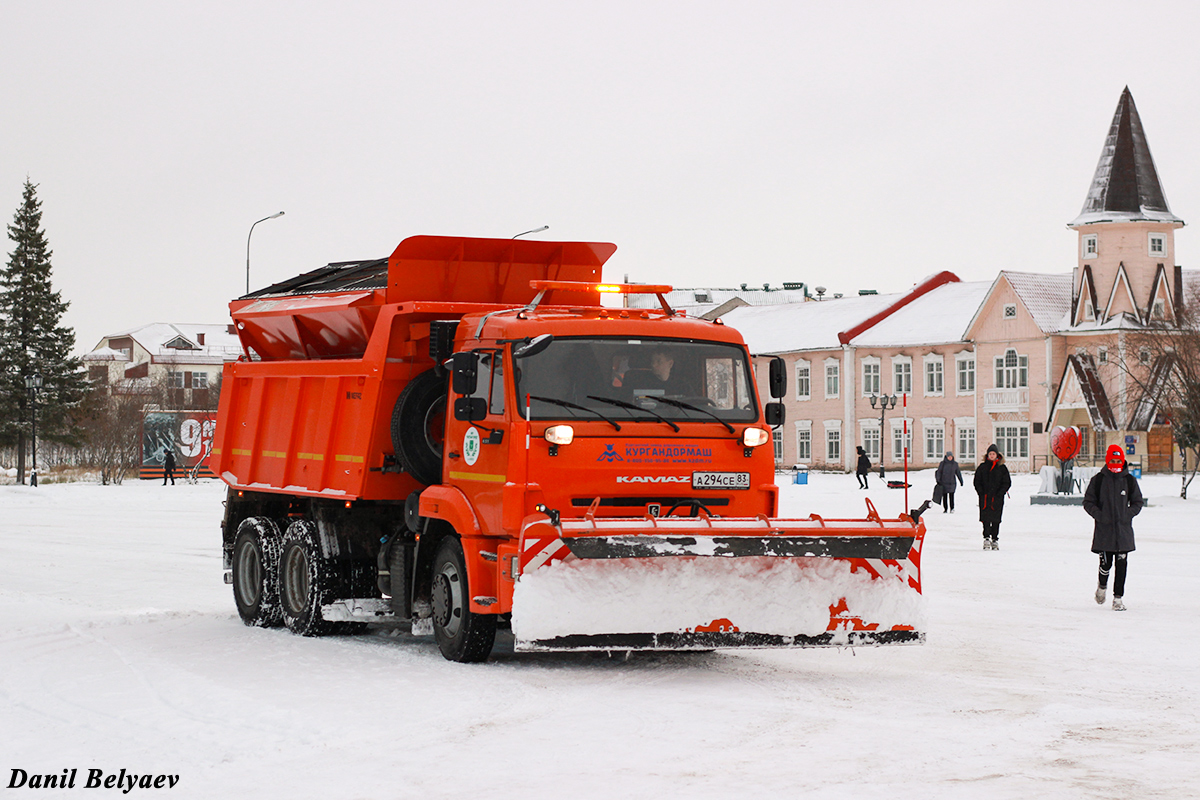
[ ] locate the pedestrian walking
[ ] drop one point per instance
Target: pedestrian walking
(168, 466)
(1113, 498)
(944, 477)
(992, 482)
(864, 468)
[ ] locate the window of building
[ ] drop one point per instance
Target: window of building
(1160, 309)
(1158, 244)
(871, 441)
(1010, 311)
(871, 382)
(777, 442)
(1013, 440)
(1144, 356)
(1012, 370)
(900, 442)
(174, 380)
(935, 441)
(902, 375)
(1083, 441)
(832, 375)
(933, 376)
(803, 443)
(98, 373)
(1089, 311)
(1101, 443)
(803, 381)
(1089, 246)
(833, 445)
(1102, 355)
(966, 444)
(199, 380)
(965, 368)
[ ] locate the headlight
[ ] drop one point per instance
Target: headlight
(753, 437)
(560, 434)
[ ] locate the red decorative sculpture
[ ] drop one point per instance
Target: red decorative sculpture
(1065, 442)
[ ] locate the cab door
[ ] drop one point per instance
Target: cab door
(477, 449)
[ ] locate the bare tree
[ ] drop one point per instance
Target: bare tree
(1162, 362)
(113, 432)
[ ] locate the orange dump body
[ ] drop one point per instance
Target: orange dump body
(308, 412)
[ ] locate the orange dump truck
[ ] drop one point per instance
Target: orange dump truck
(462, 438)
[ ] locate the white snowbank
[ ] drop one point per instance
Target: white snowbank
(784, 597)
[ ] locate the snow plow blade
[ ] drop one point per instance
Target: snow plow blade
(706, 583)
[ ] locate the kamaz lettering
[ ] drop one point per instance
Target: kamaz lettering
(653, 479)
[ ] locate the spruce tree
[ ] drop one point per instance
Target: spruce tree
(32, 340)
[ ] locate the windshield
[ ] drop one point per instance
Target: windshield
(638, 379)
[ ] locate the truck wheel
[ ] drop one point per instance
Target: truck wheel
(419, 426)
(307, 581)
(461, 635)
(256, 573)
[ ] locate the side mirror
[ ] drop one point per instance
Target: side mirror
(774, 414)
(777, 379)
(465, 371)
(534, 346)
(470, 409)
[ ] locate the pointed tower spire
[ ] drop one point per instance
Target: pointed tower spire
(1125, 187)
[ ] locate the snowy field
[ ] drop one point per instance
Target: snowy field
(120, 649)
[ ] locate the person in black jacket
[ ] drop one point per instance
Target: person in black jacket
(1113, 498)
(864, 468)
(944, 477)
(992, 482)
(168, 466)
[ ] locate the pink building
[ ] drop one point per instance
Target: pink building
(994, 362)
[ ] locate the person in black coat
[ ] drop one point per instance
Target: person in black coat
(944, 477)
(1113, 498)
(992, 482)
(168, 466)
(864, 468)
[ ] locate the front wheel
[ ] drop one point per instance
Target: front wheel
(461, 634)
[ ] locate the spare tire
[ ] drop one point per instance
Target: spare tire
(419, 426)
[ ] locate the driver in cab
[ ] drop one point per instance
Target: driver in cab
(655, 381)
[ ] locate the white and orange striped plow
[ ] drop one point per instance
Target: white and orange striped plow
(699, 583)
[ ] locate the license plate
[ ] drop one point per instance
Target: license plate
(720, 480)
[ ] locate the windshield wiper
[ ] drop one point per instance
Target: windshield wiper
(569, 404)
(689, 406)
(632, 407)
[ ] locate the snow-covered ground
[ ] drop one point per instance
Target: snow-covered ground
(120, 649)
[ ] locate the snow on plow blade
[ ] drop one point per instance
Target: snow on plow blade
(704, 583)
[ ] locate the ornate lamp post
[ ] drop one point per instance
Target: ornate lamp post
(251, 233)
(34, 384)
(884, 402)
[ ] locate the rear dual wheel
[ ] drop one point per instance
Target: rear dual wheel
(307, 581)
(461, 634)
(256, 573)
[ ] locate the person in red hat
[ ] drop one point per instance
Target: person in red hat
(1113, 498)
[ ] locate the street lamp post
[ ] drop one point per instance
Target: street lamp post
(251, 233)
(884, 402)
(34, 384)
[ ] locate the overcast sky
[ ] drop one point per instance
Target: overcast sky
(855, 145)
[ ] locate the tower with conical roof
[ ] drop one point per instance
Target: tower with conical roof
(1126, 233)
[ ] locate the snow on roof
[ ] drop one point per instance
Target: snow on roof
(804, 326)
(940, 316)
(698, 301)
(105, 354)
(154, 338)
(1046, 297)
